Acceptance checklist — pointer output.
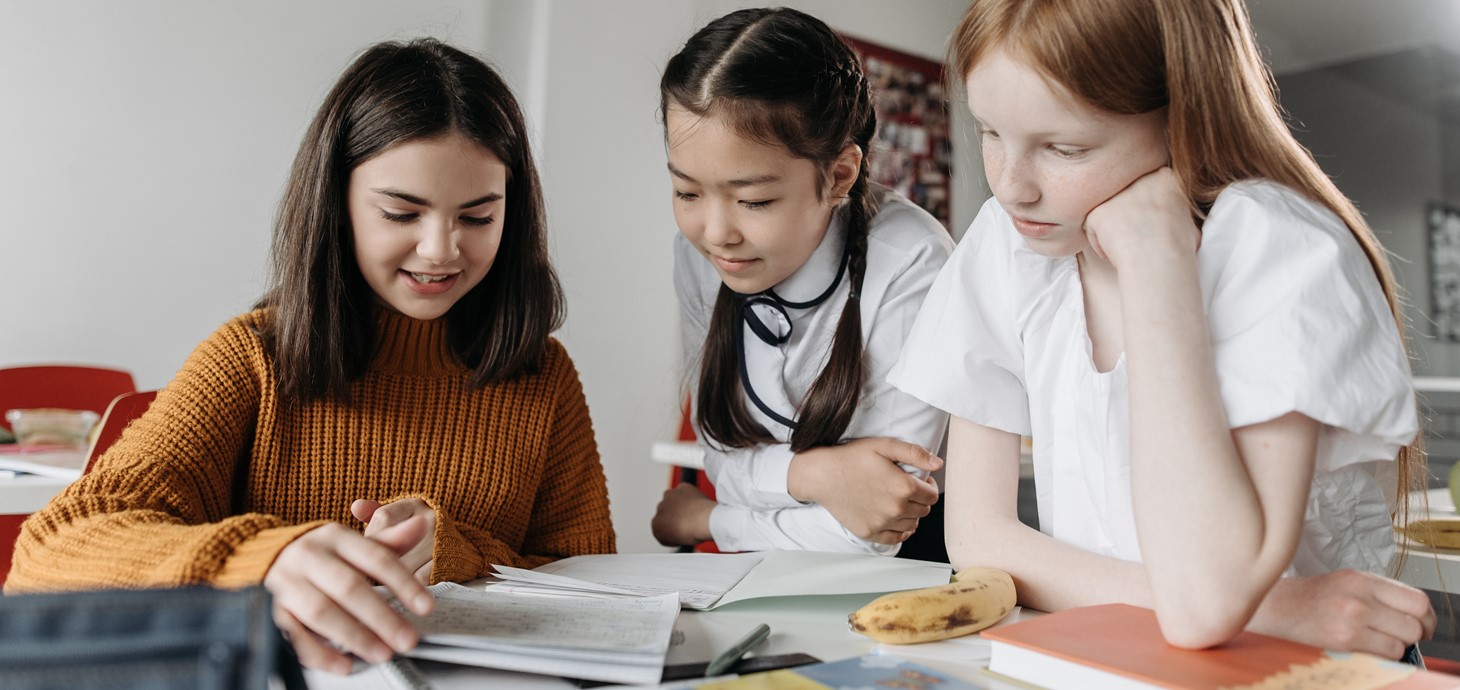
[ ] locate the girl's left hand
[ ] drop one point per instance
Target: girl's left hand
(683, 517)
(378, 517)
(1149, 216)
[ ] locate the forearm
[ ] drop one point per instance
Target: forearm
(143, 548)
(806, 528)
(757, 477)
(1042, 566)
(1201, 519)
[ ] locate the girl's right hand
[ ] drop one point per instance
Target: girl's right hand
(1347, 611)
(863, 486)
(322, 584)
(1151, 214)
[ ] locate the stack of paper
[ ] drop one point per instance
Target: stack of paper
(48, 461)
(619, 640)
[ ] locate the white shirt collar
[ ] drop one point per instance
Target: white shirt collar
(815, 276)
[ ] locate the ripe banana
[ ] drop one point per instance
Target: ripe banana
(974, 600)
(1441, 532)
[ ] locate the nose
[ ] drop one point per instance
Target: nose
(1015, 181)
(719, 224)
(437, 243)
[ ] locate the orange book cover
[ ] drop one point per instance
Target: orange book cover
(1126, 641)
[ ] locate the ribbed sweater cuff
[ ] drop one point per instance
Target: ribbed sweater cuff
(252, 559)
(455, 558)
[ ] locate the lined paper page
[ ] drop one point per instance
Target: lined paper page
(699, 578)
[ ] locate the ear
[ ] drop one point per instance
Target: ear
(844, 171)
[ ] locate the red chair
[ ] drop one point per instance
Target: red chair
(69, 386)
(74, 387)
(690, 475)
(119, 414)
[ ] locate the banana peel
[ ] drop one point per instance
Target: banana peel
(975, 599)
(1442, 533)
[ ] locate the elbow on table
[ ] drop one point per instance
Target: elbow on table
(1201, 624)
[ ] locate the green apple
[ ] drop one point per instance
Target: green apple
(1455, 484)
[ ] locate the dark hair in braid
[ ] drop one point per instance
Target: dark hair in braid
(782, 77)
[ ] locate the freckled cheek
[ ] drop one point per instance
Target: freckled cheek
(993, 165)
(1081, 193)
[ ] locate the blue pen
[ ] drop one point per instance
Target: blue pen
(728, 657)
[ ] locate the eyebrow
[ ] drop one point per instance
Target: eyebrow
(736, 183)
(413, 199)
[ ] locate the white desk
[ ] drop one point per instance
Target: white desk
(819, 629)
(26, 493)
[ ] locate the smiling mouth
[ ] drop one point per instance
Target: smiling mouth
(429, 278)
(732, 265)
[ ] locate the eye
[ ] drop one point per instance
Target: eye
(755, 205)
(685, 196)
(398, 217)
(478, 221)
(1066, 151)
(987, 133)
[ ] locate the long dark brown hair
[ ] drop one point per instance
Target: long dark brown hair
(1199, 60)
(783, 78)
(321, 325)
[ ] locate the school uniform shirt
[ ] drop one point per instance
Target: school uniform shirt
(905, 249)
(1298, 323)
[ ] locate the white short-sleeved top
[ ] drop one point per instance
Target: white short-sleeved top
(1298, 322)
(906, 248)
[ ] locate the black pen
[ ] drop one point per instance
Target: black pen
(728, 657)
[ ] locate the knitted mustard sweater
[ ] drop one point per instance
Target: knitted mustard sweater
(511, 469)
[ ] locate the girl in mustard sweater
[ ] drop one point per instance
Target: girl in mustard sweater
(393, 412)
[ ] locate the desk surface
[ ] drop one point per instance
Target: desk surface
(818, 628)
(23, 494)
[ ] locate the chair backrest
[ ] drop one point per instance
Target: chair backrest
(125, 408)
(75, 387)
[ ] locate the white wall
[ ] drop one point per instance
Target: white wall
(1389, 157)
(143, 146)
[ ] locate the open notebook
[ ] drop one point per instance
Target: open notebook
(622, 640)
(706, 581)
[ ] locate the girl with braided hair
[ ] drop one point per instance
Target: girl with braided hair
(797, 281)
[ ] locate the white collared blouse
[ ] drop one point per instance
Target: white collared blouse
(1298, 323)
(906, 247)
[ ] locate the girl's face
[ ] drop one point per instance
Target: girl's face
(1051, 158)
(427, 221)
(755, 211)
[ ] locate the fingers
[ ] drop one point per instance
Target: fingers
(1410, 605)
(1379, 644)
(322, 587)
(314, 651)
(908, 454)
(1094, 240)
(363, 509)
(403, 537)
(389, 514)
(413, 543)
(924, 493)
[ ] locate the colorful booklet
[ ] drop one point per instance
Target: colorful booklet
(858, 673)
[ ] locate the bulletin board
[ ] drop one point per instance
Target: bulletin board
(913, 151)
(1444, 236)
